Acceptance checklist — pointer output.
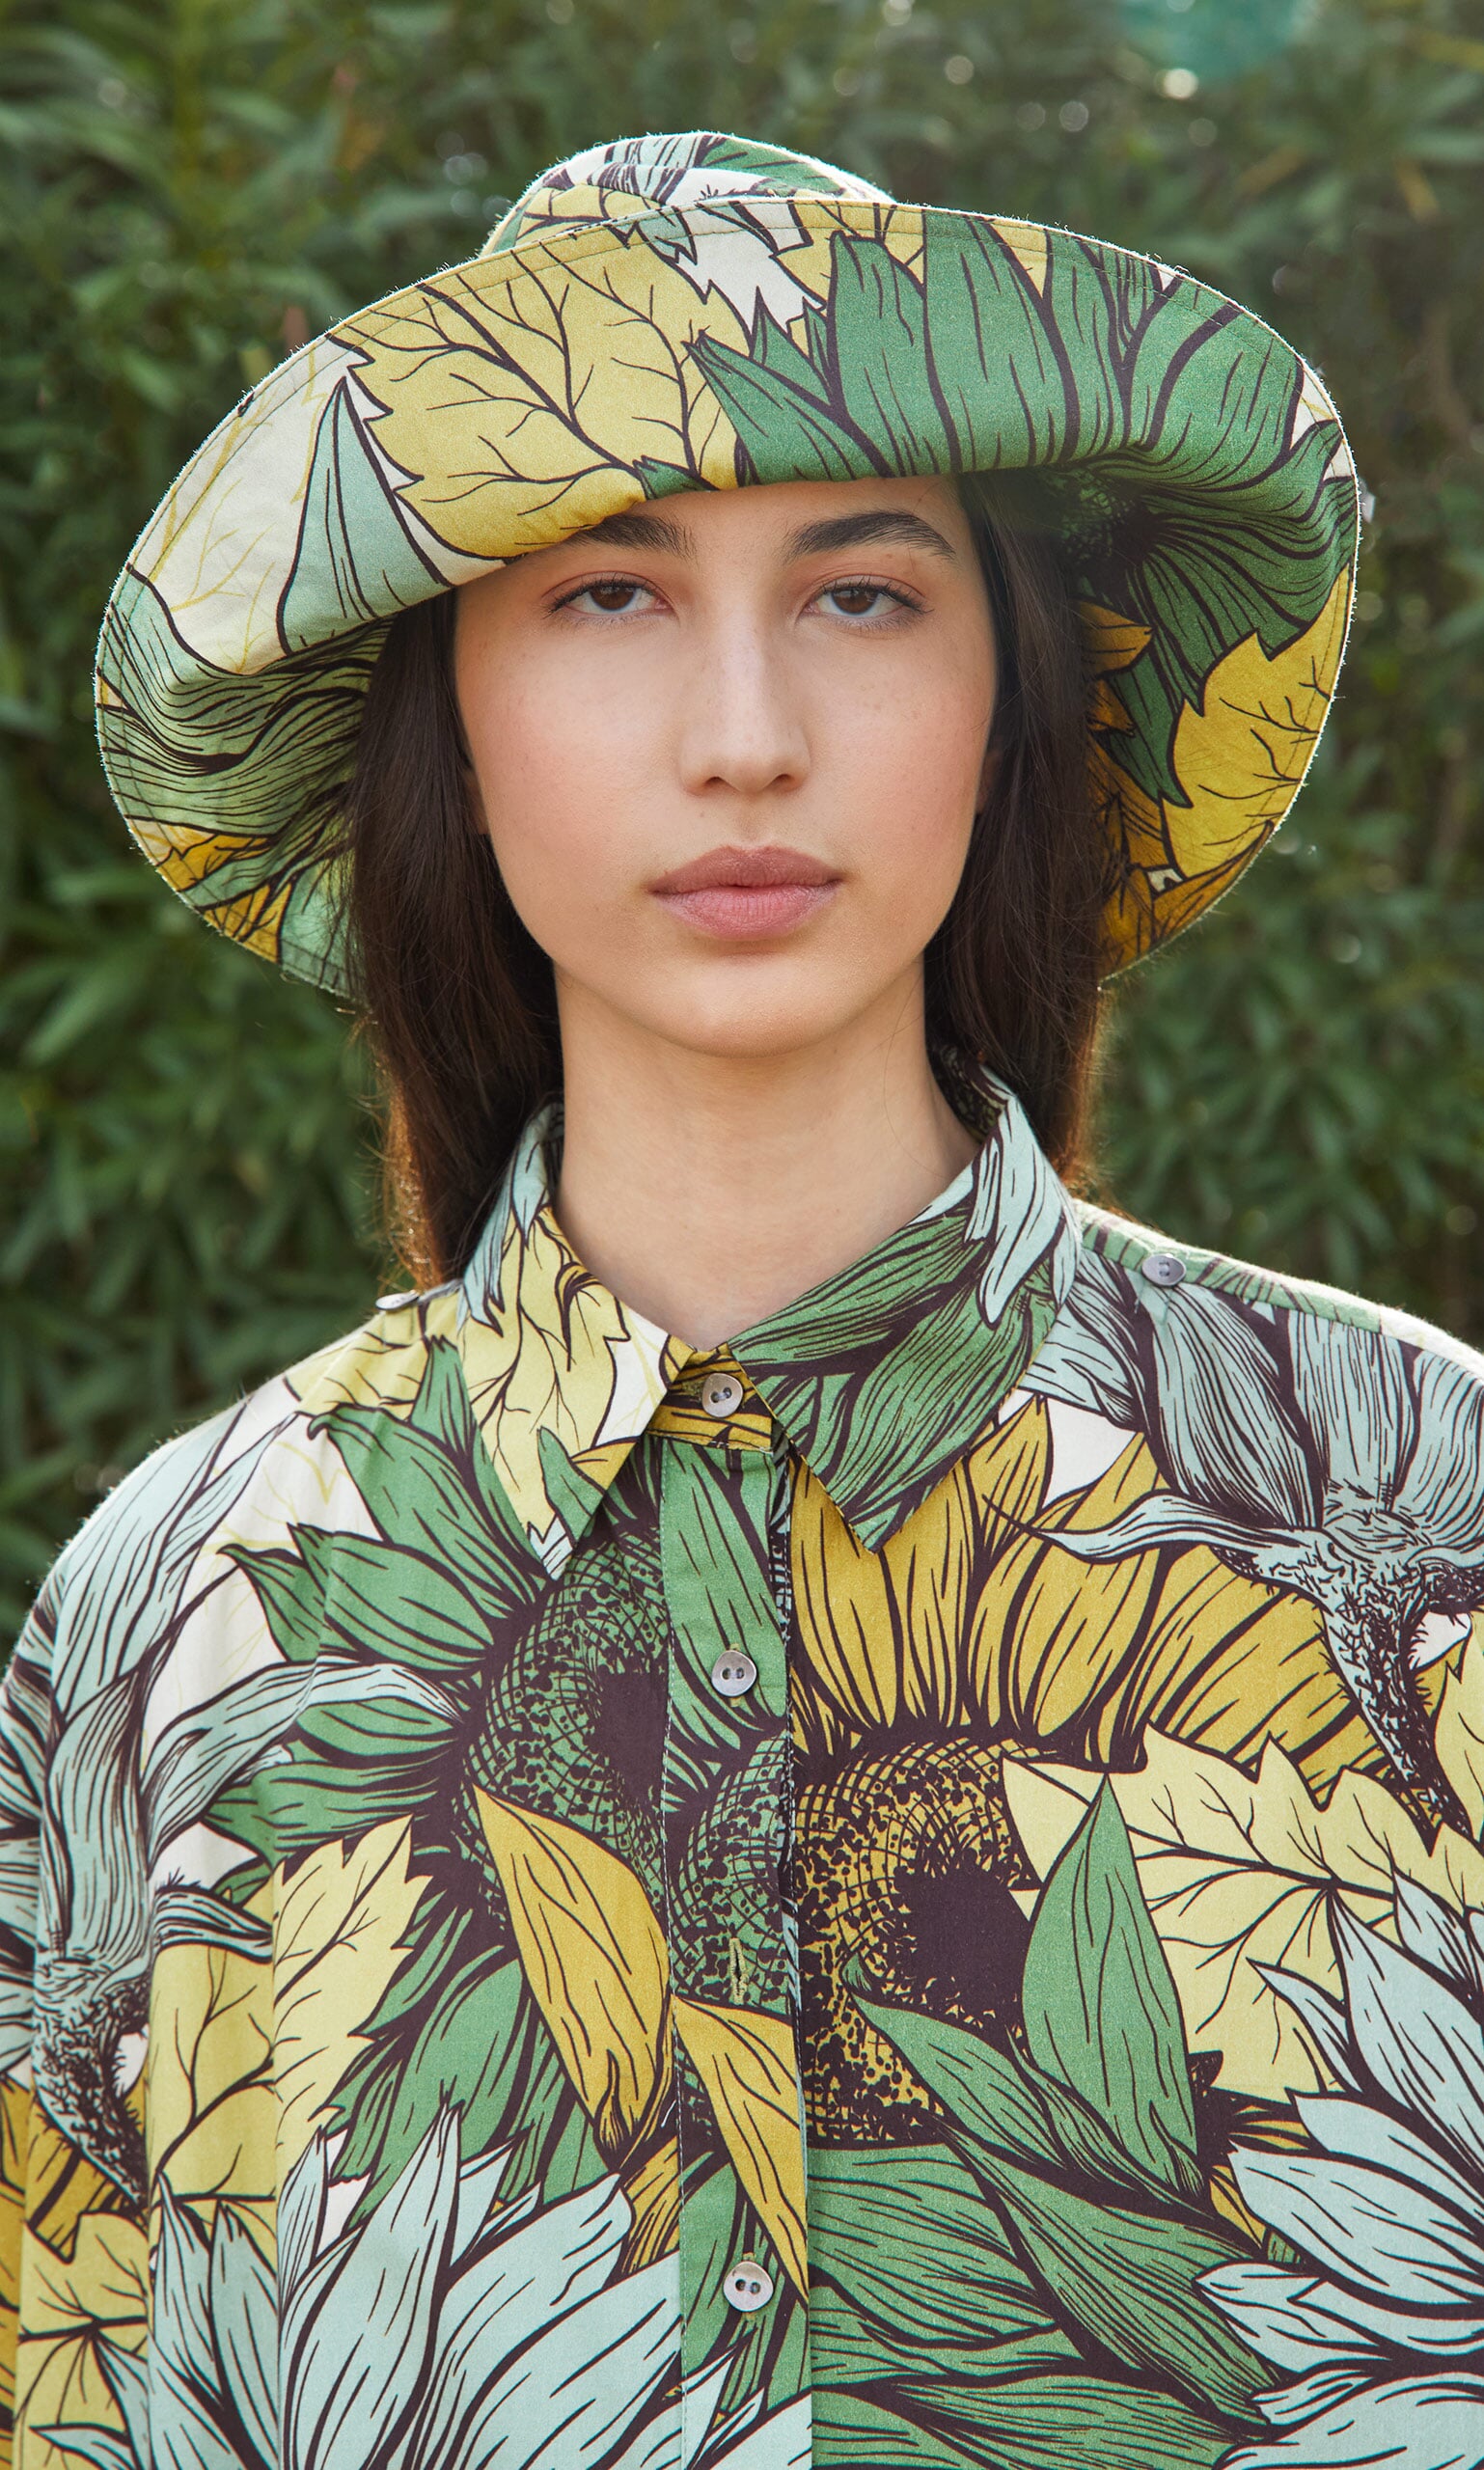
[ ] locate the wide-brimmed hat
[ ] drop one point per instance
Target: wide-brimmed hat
(703, 312)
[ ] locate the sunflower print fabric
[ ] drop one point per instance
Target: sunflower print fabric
(905, 1892)
(703, 312)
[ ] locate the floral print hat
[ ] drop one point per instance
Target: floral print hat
(704, 312)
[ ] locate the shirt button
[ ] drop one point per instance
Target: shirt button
(397, 1302)
(1163, 1269)
(733, 1673)
(721, 1394)
(748, 2286)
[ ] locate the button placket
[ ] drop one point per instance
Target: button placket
(726, 1737)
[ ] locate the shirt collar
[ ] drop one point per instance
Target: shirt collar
(881, 1377)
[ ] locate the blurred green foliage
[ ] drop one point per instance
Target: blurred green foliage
(190, 187)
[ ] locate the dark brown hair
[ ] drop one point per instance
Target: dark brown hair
(458, 998)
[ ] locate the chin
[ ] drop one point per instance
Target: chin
(750, 1027)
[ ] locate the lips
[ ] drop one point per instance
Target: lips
(746, 894)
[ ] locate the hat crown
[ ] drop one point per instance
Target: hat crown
(646, 175)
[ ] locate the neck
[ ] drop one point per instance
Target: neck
(707, 1192)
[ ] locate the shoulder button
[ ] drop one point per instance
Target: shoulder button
(1163, 1269)
(397, 1302)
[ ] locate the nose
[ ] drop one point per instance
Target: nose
(744, 726)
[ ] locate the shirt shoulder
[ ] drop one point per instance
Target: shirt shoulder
(160, 1542)
(1151, 1259)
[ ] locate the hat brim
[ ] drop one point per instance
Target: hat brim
(1190, 463)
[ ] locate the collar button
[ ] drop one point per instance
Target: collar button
(1163, 1269)
(721, 1394)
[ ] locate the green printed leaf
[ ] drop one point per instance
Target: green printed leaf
(1101, 2011)
(1005, 2102)
(572, 1495)
(785, 430)
(389, 1602)
(1071, 2421)
(291, 1596)
(879, 356)
(861, 2436)
(1126, 2280)
(422, 1501)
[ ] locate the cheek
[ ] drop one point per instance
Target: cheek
(548, 791)
(914, 767)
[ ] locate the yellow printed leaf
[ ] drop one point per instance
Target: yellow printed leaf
(1459, 1732)
(518, 395)
(559, 1353)
(72, 2305)
(211, 2115)
(748, 2064)
(595, 1958)
(245, 2054)
(1236, 1872)
(339, 1939)
(1240, 758)
(879, 1631)
(1112, 642)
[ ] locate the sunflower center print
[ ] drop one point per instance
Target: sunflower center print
(901, 1892)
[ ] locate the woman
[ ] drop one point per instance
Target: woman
(819, 1805)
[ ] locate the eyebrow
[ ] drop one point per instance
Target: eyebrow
(638, 530)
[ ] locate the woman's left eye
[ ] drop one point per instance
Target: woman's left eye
(863, 598)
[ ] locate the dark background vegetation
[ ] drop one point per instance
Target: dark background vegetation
(188, 188)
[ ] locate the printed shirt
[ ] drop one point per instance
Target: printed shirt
(902, 1892)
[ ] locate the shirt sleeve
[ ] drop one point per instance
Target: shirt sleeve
(23, 1732)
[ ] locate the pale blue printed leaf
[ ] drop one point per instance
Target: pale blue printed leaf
(300, 2214)
(521, 1195)
(94, 2445)
(1443, 1487)
(1352, 1392)
(216, 1744)
(504, 2299)
(244, 2328)
(1224, 1434)
(1017, 1210)
(1163, 1519)
(128, 2381)
(1344, 2325)
(1284, 2317)
(782, 2441)
(578, 2389)
(119, 1583)
(1360, 2134)
(480, 2184)
(1418, 2423)
(186, 2422)
(1317, 2391)
(356, 558)
(99, 1896)
(357, 2332)
(1437, 1937)
(1420, 2042)
(1323, 2020)
(1090, 1356)
(193, 1916)
(1385, 2239)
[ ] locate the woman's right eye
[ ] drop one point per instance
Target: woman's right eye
(613, 596)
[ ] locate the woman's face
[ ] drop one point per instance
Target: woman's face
(729, 749)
